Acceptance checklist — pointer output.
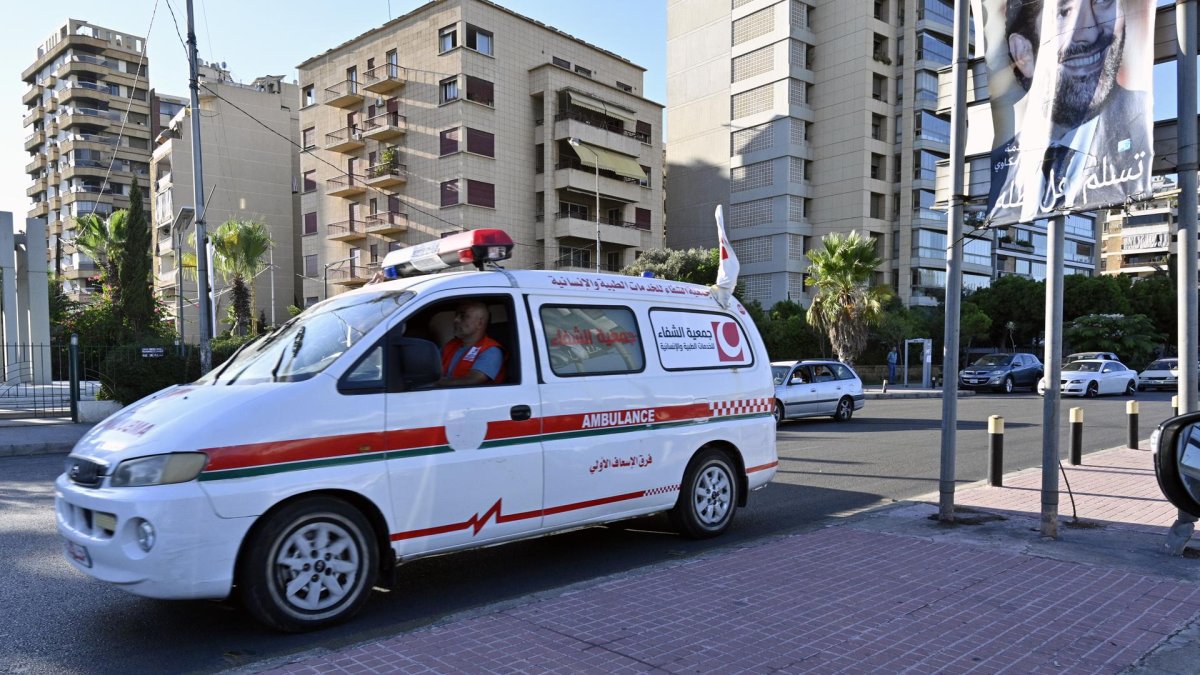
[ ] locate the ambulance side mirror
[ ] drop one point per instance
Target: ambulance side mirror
(1176, 446)
(413, 363)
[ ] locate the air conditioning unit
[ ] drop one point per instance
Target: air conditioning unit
(356, 135)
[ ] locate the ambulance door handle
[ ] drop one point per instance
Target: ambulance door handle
(520, 413)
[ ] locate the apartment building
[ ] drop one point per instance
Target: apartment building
(462, 114)
(90, 119)
(1138, 241)
(250, 173)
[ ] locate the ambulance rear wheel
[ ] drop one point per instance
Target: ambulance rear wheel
(708, 497)
(311, 564)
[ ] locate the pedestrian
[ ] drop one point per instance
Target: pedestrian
(891, 360)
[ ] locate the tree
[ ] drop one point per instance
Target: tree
(1014, 300)
(845, 304)
(694, 265)
(785, 331)
(240, 250)
(1154, 296)
(1094, 295)
(1132, 337)
(102, 239)
(135, 302)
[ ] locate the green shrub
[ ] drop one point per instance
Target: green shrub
(126, 376)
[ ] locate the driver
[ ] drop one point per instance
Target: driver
(471, 357)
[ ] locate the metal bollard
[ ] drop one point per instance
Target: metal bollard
(1175, 406)
(885, 384)
(73, 370)
(1131, 412)
(996, 451)
(1075, 436)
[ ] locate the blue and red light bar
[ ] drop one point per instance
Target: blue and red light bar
(473, 246)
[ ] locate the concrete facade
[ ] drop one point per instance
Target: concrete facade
(1139, 241)
(250, 174)
(85, 82)
(24, 303)
(458, 115)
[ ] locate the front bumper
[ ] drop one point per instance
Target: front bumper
(194, 551)
(1069, 389)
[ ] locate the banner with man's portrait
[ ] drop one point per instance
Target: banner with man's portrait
(1070, 88)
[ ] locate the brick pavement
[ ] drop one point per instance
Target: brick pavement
(843, 598)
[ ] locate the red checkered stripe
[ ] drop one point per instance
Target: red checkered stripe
(666, 489)
(746, 406)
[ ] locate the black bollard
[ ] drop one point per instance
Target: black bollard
(1131, 411)
(1076, 436)
(996, 451)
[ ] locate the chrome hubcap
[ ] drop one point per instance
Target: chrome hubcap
(714, 494)
(317, 566)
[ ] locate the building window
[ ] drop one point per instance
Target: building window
(878, 127)
(309, 96)
(310, 300)
(310, 266)
(878, 167)
(760, 99)
(748, 140)
(878, 205)
(586, 72)
(448, 141)
(480, 193)
(754, 249)
(449, 90)
(755, 63)
(561, 63)
(310, 222)
(751, 176)
(539, 159)
(447, 38)
(481, 143)
(480, 91)
(754, 25)
(479, 39)
(642, 218)
(624, 87)
(449, 192)
(750, 214)
(880, 50)
(310, 181)
(309, 138)
(879, 88)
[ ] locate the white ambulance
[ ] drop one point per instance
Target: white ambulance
(301, 472)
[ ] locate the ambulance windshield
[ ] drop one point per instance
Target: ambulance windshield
(310, 342)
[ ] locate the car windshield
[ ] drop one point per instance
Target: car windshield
(1163, 364)
(780, 372)
(1082, 366)
(309, 343)
(992, 360)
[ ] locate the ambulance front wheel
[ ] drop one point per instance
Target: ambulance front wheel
(309, 565)
(708, 496)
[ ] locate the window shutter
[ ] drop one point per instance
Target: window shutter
(643, 219)
(479, 90)
(449, 141)
(643, 129)
(481, 142)
(310, 223)
(393, 204)
(450, 193)
(481, 194)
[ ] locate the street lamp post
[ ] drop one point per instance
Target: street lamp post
(185, 215)
(325, 274)
(596, 163)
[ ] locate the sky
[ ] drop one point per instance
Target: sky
(269, 37)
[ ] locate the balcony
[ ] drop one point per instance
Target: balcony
(39, 210)
(52, 153)
(352, 275)
(385, 78)
(387, 222)
(387, 175)
(77, 40)
(81, 271)
(620, 233)
(85, 169)
(34, 93)
(345, 186)
(38, 187)
(38, 163)
(346, 230)
(54, 203)
(572, 175)
(348, 139)
(344, 94)
(166, 246)
(38, 112)
(385, 127)
(34, 140)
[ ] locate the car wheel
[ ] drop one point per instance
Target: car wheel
(708, 497)
(1130, 389)
(844, 410)
(311, 564)
(1093, 390)
(779, 413)
(1008, 385)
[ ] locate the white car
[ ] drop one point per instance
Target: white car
(814, 388)
(1093, 377)
(1161, 374)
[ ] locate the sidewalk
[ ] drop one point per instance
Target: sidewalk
(39, 437)
(888, 590)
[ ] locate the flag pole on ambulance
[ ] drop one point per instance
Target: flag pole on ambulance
(727, 265)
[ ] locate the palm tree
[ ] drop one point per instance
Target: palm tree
(240, 250)
(102, 240)
(845, 303)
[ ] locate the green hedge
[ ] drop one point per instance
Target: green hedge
(126, 376)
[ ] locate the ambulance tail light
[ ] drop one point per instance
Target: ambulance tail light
(474, 246)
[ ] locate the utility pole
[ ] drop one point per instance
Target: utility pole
(204, 320)
(1055, 229)
(954, 228)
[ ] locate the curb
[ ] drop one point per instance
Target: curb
(879, 395)
(27, 449)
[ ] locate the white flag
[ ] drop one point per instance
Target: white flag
(727, 267)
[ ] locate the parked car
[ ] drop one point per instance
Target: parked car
(1080, 356)
(816, 387)
(1093, 377)
(1160, 374)
(1001, 372)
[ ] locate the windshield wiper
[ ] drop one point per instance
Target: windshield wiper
(297, 342)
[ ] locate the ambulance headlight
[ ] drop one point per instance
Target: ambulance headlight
(178, 467)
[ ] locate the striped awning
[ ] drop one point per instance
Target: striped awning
(596, 105)
(622, 165)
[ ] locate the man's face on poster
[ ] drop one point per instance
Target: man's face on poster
(1090, 41)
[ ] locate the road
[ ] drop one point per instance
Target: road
(58, 621)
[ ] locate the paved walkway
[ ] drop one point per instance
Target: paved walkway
(890, 590)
